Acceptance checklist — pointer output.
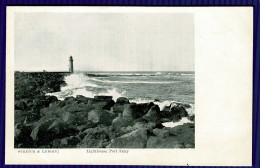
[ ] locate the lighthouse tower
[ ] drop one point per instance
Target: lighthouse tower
(71, 64)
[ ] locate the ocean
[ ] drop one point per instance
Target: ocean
(140, 87)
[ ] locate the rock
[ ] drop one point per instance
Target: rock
(120, 122)
(122, 101)
(136, 111)
(102, 102)
(161, 133)
(20, 116)
(156, 100)
(183, 133)
(82, 99)
(48, 129)
(56, 143)
(88, 124)
(69, 142)
(190, 145)
(192, 117)
(153, 114)
(100, 117)
(61, 104)
(166, 142)
(102, 98)
(75, 119)
(22, 136)
(98, 137)
(20, 105)
(69, 99)
(117, 108)
(134, 139)
(51, 99)
(178, 112)
(58, 110)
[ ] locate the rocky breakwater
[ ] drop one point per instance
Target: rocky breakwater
(101, 122)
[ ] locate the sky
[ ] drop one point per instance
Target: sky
(104, 41)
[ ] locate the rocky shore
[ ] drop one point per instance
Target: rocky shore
(45, 122)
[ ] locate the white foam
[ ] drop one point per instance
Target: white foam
(76, 85)
(77, 80)
(174, 124)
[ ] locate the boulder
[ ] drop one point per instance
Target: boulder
(69, 142)
(153, 114)
(22, 136)
(98, 137)
(100, 117)
(87, 125)
(134, 139)
(192, 117)
(48, 129)
(178, 112)
(161, 133)
(102, 102)
(183, 133)
(20, 116)
(117, 108)
(120, 122)
(51, 99)
(58, 109)
(136, 111)
(102, 98)
(20, 105)
(75, 119)
(82, 99)
(122, 101)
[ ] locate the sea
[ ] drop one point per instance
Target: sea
(140, 87)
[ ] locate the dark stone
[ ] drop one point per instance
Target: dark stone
(122, 101)
(102, 98)
(136, 110)
(178, 112)
(48, 129)
(22, 136)
(87, 125)
(71, 98)
(153, 115)
(20, 105)
(51, 99)
(98, 137)
(134, 139)
(120, 122)
(192, 117)
(100, 117)
(82, 99)
(161, 133)
(183, 133)
(69, 142)
(20, 116)
(118, 108)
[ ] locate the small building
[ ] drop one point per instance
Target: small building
(71, 64)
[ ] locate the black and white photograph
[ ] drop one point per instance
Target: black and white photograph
(114, 85)
(104, 80)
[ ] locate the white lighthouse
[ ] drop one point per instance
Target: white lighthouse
(71, 64)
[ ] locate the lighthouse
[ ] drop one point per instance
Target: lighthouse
(71, 64)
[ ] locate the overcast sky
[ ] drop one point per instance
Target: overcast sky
(104, 42)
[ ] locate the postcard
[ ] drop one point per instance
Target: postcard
(122, 85)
